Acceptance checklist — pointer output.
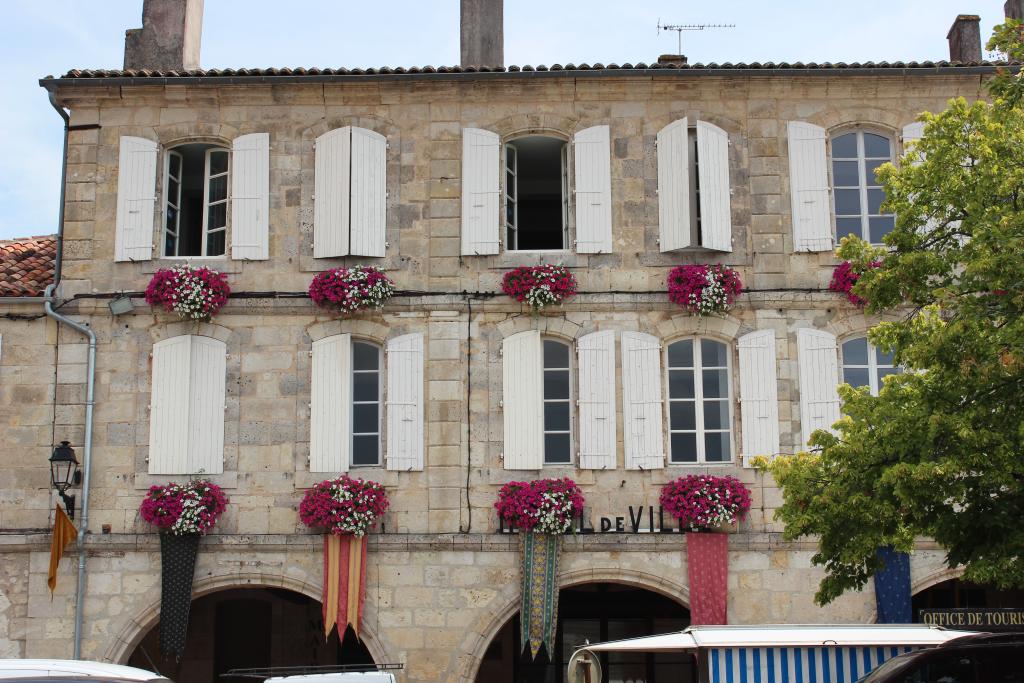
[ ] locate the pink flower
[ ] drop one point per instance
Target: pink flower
(704, 289)
(705, 501)
(844, 277)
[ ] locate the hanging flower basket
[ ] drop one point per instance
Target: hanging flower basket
(539, 286)
(347, 290)
(844, 277)
(543, 506)
(192, 293)
(702, 502)
(704, 289)
(180, 509)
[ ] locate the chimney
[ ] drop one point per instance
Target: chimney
(1014, 9)
(483, 40)
(679, 59)
(169, 38)
(965, 39)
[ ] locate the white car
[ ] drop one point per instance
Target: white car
(43, 669)
(347, 677)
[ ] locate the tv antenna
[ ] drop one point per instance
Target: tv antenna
(679, 28)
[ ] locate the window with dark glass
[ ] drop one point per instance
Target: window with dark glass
(195, 200)
(699, 410)
(366, 413)
(557, 403)
(536, 193)
(865, 366)
(858, 195)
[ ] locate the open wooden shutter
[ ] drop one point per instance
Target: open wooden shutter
(596, 364)
(332, 167)
(405, 403)
(819, 377)
(759, 401)
(522, 362)
(369, 192)
(912, 132)
(207, 371)
(808, 186)
(330, 409)
(641, 401)
(136, 199)
(715, 200)
(481, 187)
(674, 186)
(250, 197)
(593, 159)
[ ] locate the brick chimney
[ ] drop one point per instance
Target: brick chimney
(169, 38)
(482, 33)
(1014, 9)
(674, 59)
(965, 39)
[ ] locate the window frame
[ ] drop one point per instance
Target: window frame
(211, 146)
(698, 399)
(862, 179)
(570, 401)
(875, 382)
(567, 193)
(380, 402)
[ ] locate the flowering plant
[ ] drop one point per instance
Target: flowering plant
(539, 286)
(844, 277)
(344, 505)
(191, 508)
(351, 289)
(192, 293)
(545, 506)
(702, 501)
(704, 289)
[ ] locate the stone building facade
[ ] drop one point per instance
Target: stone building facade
(442, 581)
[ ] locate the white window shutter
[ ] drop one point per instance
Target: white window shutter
(330, 409)
(332, 166)
(674, 186)
(819, 376)
(759, 400)
(522, 362)
(641, 401)
(250, 197)
(208, 368)
(405, 403)
(593, 167)
(808, 186)
(481, 188)
(715, 201)
(369, 192)
(912, 132)
(136, 199)
(596, 364)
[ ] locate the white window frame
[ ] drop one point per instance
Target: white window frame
(698, 398)
(168, 204)
(205, 229)
(379, 402)
(570, 401)
(862, 187)
(874, 381)
(207, 204)
(513, 196)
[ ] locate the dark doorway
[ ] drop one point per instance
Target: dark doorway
(956, 593)
(250, 628)
(595, 613)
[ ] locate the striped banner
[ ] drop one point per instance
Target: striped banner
(344, 589)
(538, 615)
(796, 664)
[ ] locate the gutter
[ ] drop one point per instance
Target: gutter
(24, 299)
(63, 187)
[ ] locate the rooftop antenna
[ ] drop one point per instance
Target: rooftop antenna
(679, 28)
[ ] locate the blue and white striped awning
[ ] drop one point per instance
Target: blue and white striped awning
(796, 664)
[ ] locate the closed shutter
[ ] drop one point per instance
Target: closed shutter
(641, 401)
(912, 132)
(819, 377)
(593, 158)
(206, 404)
(522, 362)
(369, 192)
(330, 409)
(481, 186)
(715, 202)
(405, 403)
(136, 199)
(332, 153)
(808, 186)
(596, 363)
(250, 197)
(674, 186)
(759, 402)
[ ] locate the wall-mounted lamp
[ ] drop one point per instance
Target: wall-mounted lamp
(121, 304)
(64, 474)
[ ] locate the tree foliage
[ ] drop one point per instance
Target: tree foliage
(939, 452)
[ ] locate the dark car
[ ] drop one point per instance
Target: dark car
(981, 658)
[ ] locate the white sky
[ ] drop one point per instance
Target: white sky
(41, 37)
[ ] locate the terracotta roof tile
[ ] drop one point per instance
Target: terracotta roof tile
(26, 265)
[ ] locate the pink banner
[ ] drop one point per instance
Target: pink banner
(707, 564)
(344, 590)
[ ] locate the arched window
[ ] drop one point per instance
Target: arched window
(366, 403)
(195, 200)
(858, 196)
(557, 403)
(865, 366)
(537, 193)
(699, 402)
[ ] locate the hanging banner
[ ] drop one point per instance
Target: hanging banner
(538, 614)
(892, 587)
(707, 567)
(344, 590)
(177, 567)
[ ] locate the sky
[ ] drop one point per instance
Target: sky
(41, 37)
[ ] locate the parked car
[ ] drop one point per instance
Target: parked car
(980, 658)
(73, 670)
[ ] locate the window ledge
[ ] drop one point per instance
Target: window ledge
(222, 264)
(225, 480)
(513, 259)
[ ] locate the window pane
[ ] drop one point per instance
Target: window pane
(680, 354)
(880, 227)
(682, 415)
(365, 450)
(510, 183)
(847, 226)
(855, 351)
(364, 386)
(556, 448)
(883, 358)
(845, 146)
(174, 164)
(871, 168)
(172, 244)
(876, 146)
(716, 383)
(680, 384)
(847, 202)
(885, 372)
(845, 173)
(172, 219)
(510, 213)
(556, 354)
(684, 448)
(217, 216)
(556, 417)
(218, 189)
(364, 418)
(365, 356)
(716, 447)
(875, 199)
(556, 384)
(856, 377)
(172, 191)
(713, 354)
(218, 162)
(215, 244)
(716, 415)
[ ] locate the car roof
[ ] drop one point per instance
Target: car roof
(21, 668)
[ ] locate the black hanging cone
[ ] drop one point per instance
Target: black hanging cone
(178, 566)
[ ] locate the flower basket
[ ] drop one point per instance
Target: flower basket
(543, 506)
(704, 289)
(844, 277)
(539, 286)
(348, 290)
(346, 508)
(192, 293)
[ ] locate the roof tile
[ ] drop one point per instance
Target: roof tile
(26, 265)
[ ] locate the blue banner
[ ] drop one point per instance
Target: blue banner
(892, 587)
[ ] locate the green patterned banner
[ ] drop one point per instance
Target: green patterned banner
(539, 612)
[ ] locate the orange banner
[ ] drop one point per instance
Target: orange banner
(344, 591)
(64, 533)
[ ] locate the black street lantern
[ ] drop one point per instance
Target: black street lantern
(64, 474)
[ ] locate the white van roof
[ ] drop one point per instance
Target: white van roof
(346, 677)
(15, 668)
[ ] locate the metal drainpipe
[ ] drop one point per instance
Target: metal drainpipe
(86, 460)
(63, 189)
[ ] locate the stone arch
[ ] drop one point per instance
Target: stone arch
(368, 329)
(934, 578)
(518, 125)
(148, 616)
(176, 329)
(558, 326)
(723, 328)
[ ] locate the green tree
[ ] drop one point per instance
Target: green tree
(938, 453)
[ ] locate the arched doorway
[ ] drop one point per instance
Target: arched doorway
(955, 595)
(594, 612)
(250, 628)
